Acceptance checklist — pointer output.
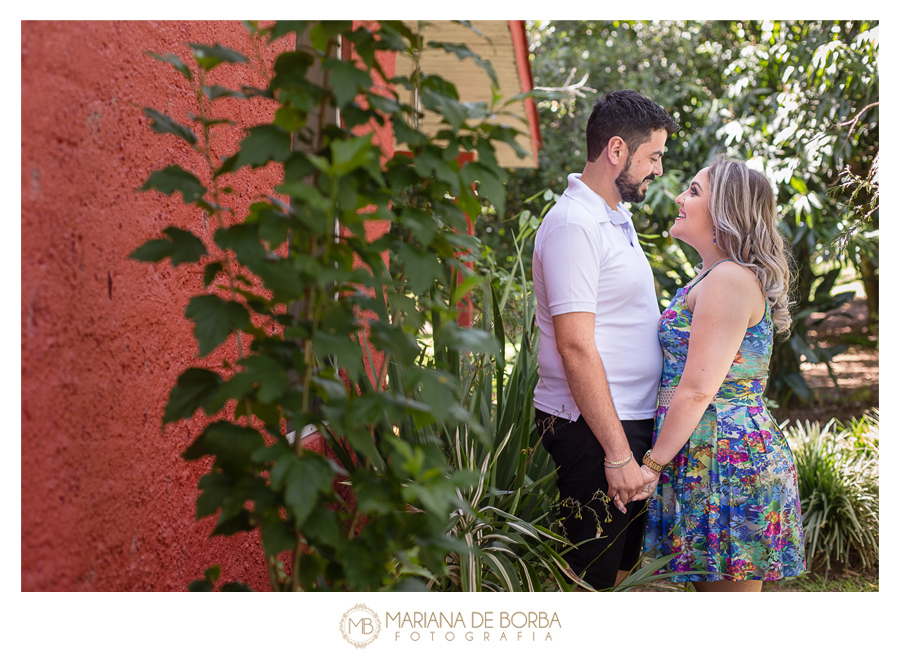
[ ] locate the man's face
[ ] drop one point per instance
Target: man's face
(642, 167)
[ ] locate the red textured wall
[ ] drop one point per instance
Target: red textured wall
(107, 502)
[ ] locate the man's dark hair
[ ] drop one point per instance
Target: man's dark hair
(626, 114)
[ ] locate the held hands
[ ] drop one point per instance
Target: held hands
(624, 483)
(651, 477)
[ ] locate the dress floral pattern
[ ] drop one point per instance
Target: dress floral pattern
(728, 503)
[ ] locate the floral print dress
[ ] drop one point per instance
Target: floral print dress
(728, 503)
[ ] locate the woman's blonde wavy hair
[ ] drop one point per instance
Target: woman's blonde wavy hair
(744, 216)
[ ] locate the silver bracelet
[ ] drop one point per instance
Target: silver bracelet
(609, 464)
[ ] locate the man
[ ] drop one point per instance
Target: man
(599, 358)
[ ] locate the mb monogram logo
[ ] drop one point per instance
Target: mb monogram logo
(360, 626)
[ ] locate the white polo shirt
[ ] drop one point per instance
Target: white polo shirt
(584, 262)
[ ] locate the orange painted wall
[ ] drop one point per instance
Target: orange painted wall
(107, 501)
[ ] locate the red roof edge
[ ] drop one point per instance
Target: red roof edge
(526, 81)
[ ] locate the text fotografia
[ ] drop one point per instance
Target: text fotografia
(479, 626)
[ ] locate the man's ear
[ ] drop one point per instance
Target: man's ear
(616, 150)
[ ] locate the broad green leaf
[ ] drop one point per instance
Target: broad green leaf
(195, 388)
(352, 153)
(322, 527)
(272, 380)
(422, 268)
(466, 340)
(291, 69)
(215, 319)
(232, 446)
(262, 145)
(175, 179)
(490, 186)
(215, 489)
(210, 272)
(323, 31)
(180, 66)
(399, 343)
(209, 57)
(233, 524)
(305, 480)
(235, 586)
(215, 91)
(200, 586)
(243, 240)
(282, 28)
(277, 536)
(346, 80)
(342, 347)
(181, 246)
(212, 573)
(165, 124)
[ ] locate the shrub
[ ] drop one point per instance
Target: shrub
(837, 468)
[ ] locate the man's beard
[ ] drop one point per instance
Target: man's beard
(628, 189)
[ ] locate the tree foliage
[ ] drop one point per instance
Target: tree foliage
(798, 100)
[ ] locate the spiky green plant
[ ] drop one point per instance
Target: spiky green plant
(837, 471)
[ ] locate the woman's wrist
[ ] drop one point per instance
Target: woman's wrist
(652, 464)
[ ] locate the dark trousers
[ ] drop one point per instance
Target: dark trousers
(581, 478)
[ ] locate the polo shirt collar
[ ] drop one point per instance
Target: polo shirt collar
(592, 201)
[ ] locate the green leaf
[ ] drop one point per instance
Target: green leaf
(232, 445)
(181, 246)
(490, 187)
(235, 586)
(471, 340)
(271, 378)
(323, 31)
(210, 272)
(291, 72)
(233, 525)
(346, 352)
(346, 80)
(286, 27)
(243, 240)
(322, 526)
(215, 91)
(175, 179)
(399, 343)
(262, 145)
(304, 478)
(200, 586)
(277, 536)
(165, 124)
(209, 57)
(180, 66)
(195, 388)
(215, 319)
(422, 268)
(352, 153)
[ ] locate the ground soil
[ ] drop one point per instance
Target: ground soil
(856, 369)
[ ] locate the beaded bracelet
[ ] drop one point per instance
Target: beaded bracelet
(620, 464)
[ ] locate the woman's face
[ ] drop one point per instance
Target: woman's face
(694, 223)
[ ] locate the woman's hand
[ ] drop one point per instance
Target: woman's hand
(651, 477)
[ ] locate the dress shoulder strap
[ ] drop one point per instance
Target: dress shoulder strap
(700, 278)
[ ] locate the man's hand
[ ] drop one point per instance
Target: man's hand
(624, 483)
(651, 477)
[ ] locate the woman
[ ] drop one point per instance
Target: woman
(726, 487)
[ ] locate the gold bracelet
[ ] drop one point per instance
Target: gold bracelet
(652, 465)
(618, 464)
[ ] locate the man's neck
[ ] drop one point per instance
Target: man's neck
(601, 180)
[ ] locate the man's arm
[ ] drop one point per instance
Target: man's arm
(587, 381)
